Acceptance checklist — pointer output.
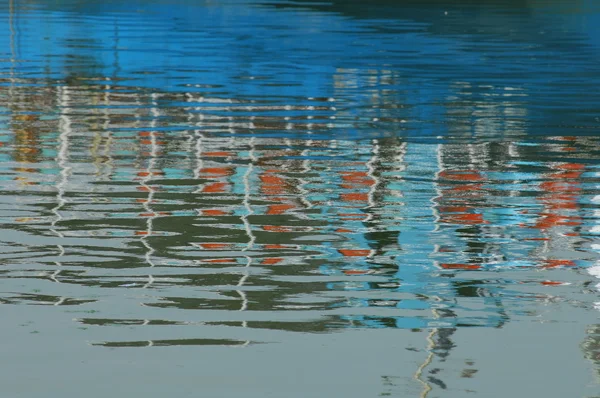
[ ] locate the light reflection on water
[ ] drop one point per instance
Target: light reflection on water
(104, 198)
(413, 174)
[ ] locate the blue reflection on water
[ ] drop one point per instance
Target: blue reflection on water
(486, 71)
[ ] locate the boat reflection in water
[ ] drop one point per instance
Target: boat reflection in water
(173, 183)
(386, 215)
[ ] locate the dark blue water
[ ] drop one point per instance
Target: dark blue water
(300, 198)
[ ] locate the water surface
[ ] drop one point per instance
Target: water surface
(269, 198)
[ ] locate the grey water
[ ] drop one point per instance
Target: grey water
(269, 198)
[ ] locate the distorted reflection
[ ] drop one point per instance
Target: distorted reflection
(179, 170)
(409, 222)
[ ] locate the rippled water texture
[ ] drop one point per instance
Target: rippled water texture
(300, 199)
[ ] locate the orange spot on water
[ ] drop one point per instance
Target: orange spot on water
(271, 179)
(548, 221)
(570, 166)
(354, 252)
(572, 223)
(217, 171)
(352, 175)
(272, 185)
(354, 197)
(343, 230)
(551, 283)
(357, 178)
(560, 202)
(279, 209)
(272, 261)
(467, 218)
(566, 175)
(276, 228)
(558, 263)
(148, 214)
(356, 272)
(149, 173)
(216, 187)
(217, 154)
(141, 232)
(214, 212)
(214, 245)
(460, 266)
(555, 186)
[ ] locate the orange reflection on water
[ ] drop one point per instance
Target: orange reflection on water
(354, 197)
(219, 154)
(458, 194)
(357, 271)
(150, 173)
(213, 172)
(279, 208)
(271, 260)
(354, 252)
(559, 218)
(554, 263)
(460, 266)
(219, 260)
(272, 184)
(560, 197)
(214, 212)
(215, 187)
(211, 246)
